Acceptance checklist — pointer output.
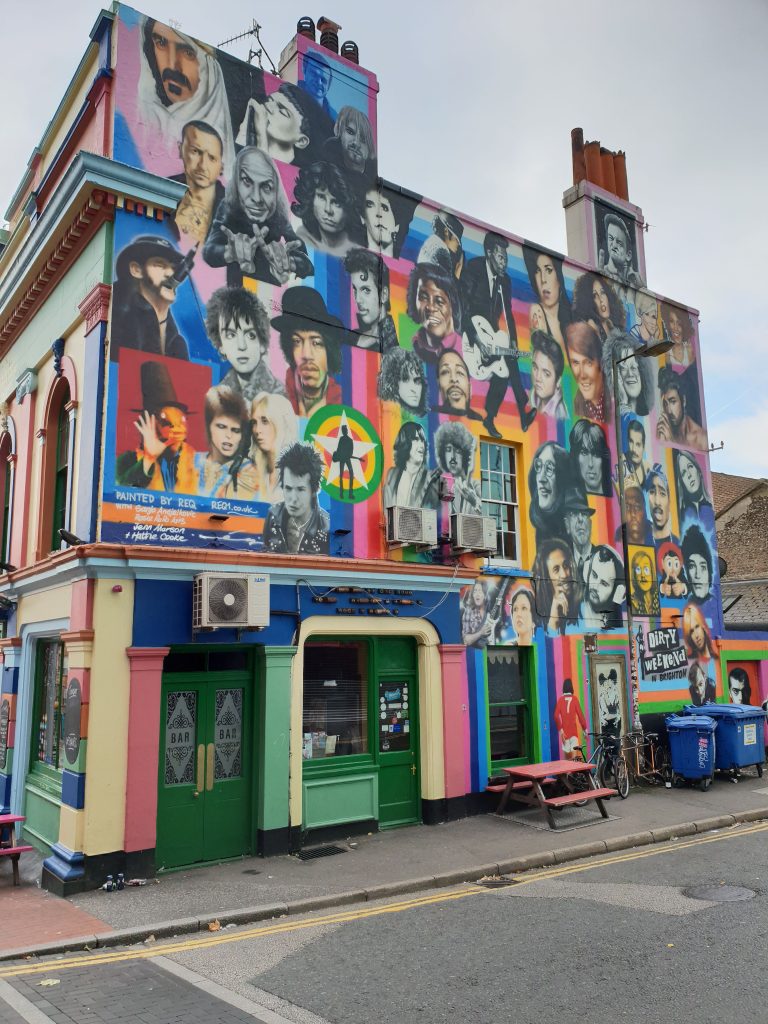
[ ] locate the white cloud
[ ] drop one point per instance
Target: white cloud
(745, 452)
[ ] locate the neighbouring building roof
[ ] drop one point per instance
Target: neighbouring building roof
(741, 516)
(728, 489)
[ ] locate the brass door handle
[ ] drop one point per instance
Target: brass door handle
(209, 768)
(200, 770)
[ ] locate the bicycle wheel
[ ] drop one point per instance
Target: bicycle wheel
(621, 775)
(664, 765)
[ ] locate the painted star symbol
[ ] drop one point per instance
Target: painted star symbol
(329, 444)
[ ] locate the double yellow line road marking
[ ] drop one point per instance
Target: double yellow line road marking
(97, 957)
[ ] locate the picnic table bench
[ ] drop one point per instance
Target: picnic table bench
(525, 783)
(9, 846)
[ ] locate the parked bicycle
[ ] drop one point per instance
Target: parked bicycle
(647, 758)
(611, 769)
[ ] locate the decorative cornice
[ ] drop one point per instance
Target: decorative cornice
(95, 306)
(97, 209)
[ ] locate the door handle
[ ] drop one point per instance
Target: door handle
(200, 770)
(209, 768)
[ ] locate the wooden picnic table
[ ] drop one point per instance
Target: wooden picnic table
(526, 783)
(9, 845)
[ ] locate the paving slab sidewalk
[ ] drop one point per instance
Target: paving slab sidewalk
(384, 863)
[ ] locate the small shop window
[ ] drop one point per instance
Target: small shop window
(507, 705)
(51, 671)
(335, 720)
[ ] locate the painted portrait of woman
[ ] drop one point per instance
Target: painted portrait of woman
(552, 311)
(595, 300)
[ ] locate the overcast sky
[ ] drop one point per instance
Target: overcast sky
(476, 106)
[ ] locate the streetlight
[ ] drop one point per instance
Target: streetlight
(658, 348)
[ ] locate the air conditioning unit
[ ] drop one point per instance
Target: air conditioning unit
(473, 533)
(228, 600)
(414, 526)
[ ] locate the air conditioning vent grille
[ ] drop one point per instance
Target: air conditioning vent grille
(234, 600)
(228, 600)
(409, 525)
(471, 533)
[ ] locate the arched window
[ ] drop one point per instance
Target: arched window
(6, 492)
(61, 476)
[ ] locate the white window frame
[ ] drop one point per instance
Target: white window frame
(485, 472)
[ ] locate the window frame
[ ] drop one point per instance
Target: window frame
(498, 557)
(41, 772)
(61, 476)
(340, 762)
(525, 660)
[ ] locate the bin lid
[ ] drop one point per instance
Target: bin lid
(725, 710)
(701, 722)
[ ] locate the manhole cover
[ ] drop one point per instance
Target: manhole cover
(719, 893)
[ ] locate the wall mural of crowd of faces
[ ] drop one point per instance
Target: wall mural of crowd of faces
(302, 345)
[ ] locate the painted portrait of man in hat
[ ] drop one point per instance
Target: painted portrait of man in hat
(145, 286)
(310, 338)
(163, 460)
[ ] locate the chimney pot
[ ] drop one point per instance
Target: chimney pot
(592, 160)
(306, 27)
(329, 34)
(620, 173)
(350, 51)
(577, 151)
(606, 163)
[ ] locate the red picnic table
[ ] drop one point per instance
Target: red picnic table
(9, 846)
(525, 783)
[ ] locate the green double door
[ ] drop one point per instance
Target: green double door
(205, 771)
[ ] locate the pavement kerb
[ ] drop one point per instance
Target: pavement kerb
(248, 915)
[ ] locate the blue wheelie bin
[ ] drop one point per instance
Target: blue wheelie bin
(739, 734)
(692, 744)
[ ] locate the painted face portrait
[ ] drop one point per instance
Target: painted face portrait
(177, 62)
(454, 460)
(579, 527)
(172, 426)
(379, 219)
(297, 494)
(497, 257)
(674, 409)
(367, 302)
(658, 501)
(310, 357)
(317, 79)
(672, 566)
(453, 381)
(676, 332)
(434, 309)
(690, 474)
(601, 583)
(739, 690)
(256, 188)
(560, 571)
(618, 248)
(546, 478)
(649, 319)
(411, 389)
(418, 450)
(240, 345)
(283, 121)
(264, 432)
(642, 572)
(202, 158)
(355, 149)
(600, 300)
(156, 277)
(591, 470)
(522, 616)
(226, 434)
(634, 507)
(698, 576)
(329, 213)
(635, 447)
(589, 376)
(543, 376)
(629, 373)
(547, 282)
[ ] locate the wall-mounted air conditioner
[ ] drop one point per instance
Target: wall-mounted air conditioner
(473, 533)
(411, 526)
(228, 600)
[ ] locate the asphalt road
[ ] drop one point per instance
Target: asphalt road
(613, 938)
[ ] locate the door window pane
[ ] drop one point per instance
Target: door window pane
(180, 730)
(507, 707)
(335, 720)
(51, 672)
(228, 734)
(394, 716)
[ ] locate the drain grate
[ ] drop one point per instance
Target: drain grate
(715, 893)
(313, 852)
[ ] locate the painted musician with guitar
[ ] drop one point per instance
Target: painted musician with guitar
(478, 620)
(490, 342)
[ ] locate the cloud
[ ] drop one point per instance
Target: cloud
(745, 452)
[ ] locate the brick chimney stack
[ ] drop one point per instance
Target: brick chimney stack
(598, 165)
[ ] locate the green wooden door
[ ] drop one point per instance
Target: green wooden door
(204, 796)
(397, 733)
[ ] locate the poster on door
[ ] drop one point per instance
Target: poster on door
(394, 717)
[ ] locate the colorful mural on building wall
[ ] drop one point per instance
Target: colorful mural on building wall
(302, 346)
